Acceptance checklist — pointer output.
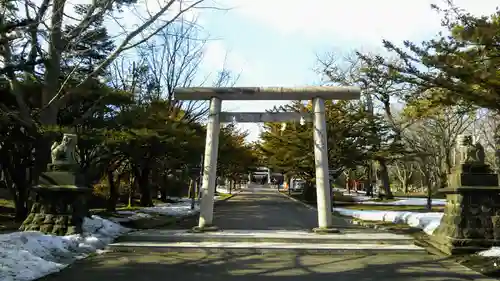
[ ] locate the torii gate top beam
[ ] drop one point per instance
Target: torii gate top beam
(268, 93)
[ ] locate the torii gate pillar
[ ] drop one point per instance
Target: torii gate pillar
(323, 187)
(210, 165)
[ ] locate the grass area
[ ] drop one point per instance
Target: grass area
(436, 195)
(4, 203)
(7, 213)
(152, 222)
(102, 212)
(399, 228)
(384, 200)
(223, 196)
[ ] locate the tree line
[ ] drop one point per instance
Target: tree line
(92, 70)
(415, 101)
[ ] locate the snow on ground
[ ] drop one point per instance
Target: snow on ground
(361, 198)
(224, 189)
(428, 222)
(182, 207)
(31, 255)
(401, 201)
(169, 209)
(493, 252)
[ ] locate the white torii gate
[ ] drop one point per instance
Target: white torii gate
(216, 95)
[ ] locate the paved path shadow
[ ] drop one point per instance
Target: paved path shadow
(146, 266)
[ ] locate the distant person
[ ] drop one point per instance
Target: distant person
(280, 182)
(369, 189)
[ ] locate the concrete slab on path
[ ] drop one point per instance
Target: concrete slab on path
(264, 247)
(347, 236)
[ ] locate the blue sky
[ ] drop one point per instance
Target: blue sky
(275, 42)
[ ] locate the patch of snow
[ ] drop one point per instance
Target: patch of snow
(30, 255)
(401, 201)
(361, 198)
(133, 216)
(428, 222)
(222, 190)
(168, 209)
(182, 207)
(493, 252)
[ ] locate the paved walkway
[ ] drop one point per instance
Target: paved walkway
(263, 209)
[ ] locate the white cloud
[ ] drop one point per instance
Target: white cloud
(218, 57)
(360, 21)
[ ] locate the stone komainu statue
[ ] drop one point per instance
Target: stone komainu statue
(64, 152)
(475, 152)
(480, 154)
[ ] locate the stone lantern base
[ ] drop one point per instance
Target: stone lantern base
(60, 205)
(471, 220)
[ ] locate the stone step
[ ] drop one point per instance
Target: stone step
(263, 247)
(347, 236)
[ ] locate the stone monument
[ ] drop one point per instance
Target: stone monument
(60, 204)
(471, 220)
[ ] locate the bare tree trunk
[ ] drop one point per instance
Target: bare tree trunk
(190, 189)
(144, 187)
(131, 192)
(113, 192)
(164, 188)
(289, 182)
(16, 180)
(348, 181)
(192, 192)
(384, 176)
(405, 185)
(429, 190)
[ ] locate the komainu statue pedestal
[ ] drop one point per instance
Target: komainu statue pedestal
(471, 220)
(61, 195)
